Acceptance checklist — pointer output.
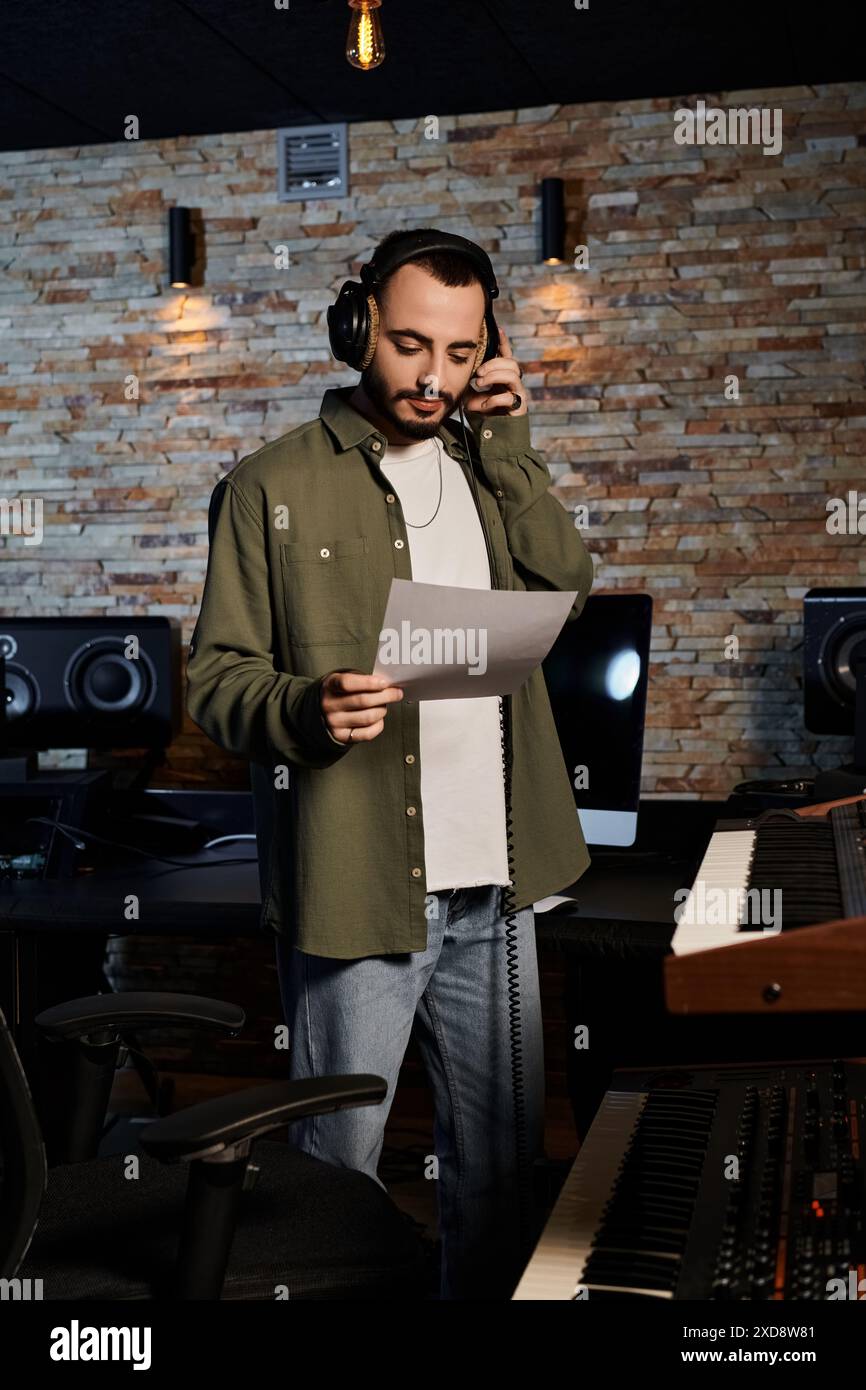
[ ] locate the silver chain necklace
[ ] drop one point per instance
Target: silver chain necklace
(414, 526)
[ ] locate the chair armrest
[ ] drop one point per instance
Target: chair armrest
(216, 1125)
(135, 1010)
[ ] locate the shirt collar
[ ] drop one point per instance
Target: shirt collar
(351, 429)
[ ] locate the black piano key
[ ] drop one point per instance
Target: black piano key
(631, 1271)
(801, 862)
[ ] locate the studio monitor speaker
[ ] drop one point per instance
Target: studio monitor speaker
(834, 650)
(90, 682)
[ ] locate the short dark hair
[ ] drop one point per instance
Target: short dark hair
(448, 267)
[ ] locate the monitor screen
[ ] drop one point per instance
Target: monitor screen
(596, 674)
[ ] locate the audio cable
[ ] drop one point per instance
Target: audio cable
(524, 1172)
(74, 833)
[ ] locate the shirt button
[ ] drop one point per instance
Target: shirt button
(324, 553)
(389, 497)
(376, 445)
(398, 545)
(486, 434)
(416, 873)
(499, 492)
(410, 758)
(410, 811)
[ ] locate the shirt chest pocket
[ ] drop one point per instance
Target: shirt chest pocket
(327, 590)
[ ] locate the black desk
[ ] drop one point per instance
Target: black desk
(209, 896)
(625, 899)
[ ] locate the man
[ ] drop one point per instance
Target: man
(381, 820)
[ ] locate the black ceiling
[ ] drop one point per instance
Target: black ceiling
(71, 72)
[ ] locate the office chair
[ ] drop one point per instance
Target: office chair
(210, 1209)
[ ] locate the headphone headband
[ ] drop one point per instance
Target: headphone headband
(414, 244)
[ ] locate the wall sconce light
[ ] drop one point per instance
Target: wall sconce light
(552, 221)
(365, 45)
(181, 248)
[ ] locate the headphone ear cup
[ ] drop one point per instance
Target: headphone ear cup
(347, 320)
(482, 347)
(371, 326)
(493, 340)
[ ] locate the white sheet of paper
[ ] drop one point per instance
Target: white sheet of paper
(440, 642)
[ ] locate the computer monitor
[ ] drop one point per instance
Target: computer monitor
(596, 675)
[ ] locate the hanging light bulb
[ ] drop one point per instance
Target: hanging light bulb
(365, 45)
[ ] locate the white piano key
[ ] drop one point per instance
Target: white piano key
(725, 866)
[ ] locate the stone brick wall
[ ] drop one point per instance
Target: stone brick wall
(703, 262)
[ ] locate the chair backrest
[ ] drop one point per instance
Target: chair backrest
(23, 1169)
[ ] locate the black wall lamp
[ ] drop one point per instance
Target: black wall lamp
(552, 221)
(181, 248)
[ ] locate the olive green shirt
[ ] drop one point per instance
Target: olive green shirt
(305, 538)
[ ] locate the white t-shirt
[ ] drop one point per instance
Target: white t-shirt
(462, 786)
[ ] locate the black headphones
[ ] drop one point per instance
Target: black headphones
(353, 319)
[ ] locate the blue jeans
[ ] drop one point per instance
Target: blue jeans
(357, 1016)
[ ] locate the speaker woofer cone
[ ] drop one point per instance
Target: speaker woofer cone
(101, 681)
(836, 657)
(21, 694)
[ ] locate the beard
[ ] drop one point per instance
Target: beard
(377, 392)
